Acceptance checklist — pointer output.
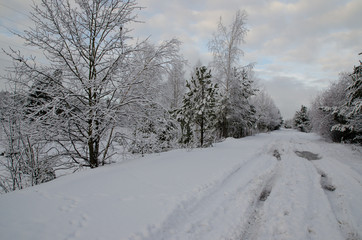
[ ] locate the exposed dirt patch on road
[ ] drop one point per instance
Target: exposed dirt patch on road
(277, 155)
(308, 155)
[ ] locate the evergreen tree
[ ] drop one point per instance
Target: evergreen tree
(301, 120)
(198, 113)
(237, 114)
(42, 95)
(355, 103)
(349, 115)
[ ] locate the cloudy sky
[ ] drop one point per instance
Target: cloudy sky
(299, 46)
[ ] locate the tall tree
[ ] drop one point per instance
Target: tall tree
(89, 42)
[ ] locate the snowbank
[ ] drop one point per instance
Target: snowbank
(209, 193)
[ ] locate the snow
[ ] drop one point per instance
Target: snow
(212, 193)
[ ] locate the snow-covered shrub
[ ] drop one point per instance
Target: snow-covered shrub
(152, 137)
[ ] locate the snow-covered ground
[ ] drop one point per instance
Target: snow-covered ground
(251, 188)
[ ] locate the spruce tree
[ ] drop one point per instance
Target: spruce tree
(355, 103)
(301, 120)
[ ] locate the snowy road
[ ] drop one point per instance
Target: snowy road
(260, 187)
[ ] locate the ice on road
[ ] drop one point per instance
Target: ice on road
(281, 185)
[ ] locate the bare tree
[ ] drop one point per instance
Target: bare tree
(268, 117)
(225, 47)
(175, 86)
(90, 43)
(25, 159)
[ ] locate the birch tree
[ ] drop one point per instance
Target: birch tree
(175, 86)
(89, 41)
(225, 46)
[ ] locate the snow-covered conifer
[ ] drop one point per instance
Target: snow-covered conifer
(198, 112)
(301, 120)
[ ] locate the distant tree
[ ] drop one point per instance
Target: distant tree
(268, 117)
(41, 96)
(301, 120)
(288, 123)
(198, 112)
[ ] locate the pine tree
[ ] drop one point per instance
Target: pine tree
(301, 120)
(198, 112)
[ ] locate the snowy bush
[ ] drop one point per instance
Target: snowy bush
(154, 136)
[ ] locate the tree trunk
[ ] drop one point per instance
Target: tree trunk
(93, 146)
(202, 131)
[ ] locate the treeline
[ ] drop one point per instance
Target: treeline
(336, 113)
(102, 93)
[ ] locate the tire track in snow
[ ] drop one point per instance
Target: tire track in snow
(223, 203)
(255, 214)
(296, 207)
(333, 176)
(336, 199)
(337, 202)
